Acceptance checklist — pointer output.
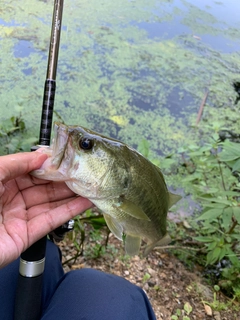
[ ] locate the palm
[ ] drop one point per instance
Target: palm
(14, 220)
(29, 209)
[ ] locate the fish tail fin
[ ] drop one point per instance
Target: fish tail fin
(162, 242)
(173, 198)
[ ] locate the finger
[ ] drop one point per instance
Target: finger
(47, 221)
(26, 181)
(14, 165)
(49, 192)
(45, 207)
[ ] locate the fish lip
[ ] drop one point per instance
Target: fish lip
(59, 144)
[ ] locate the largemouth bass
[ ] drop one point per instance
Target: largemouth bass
(128, 188)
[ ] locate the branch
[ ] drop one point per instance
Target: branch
(200, 111)
(178, 247)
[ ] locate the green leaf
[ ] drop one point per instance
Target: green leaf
(188, 308)
(216, 288)
(215, 205)
(232, 256)
(222, 253)
(236, 213)
(209, 258)
(228, 239)
(217, 200)
(230, 193)
(236, 236)
(212, 190)
(192, 177)
(144, 148)
(213, 256)
(210, 214)
(179, 312)
(198, 153)
(227, 217)
(96, 221)
(146, 277)
(231, 151)
(228, 157)
(203, 239)
(236, 166)
(212, 245)
(231, 146)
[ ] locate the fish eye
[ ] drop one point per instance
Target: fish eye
(85, 143)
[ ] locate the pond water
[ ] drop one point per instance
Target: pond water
(130, 69)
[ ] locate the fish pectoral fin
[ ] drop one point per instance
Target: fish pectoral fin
(162, 242)
(132, 245)
(173, 198)
(114, 227)
(133, 210)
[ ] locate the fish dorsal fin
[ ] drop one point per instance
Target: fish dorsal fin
(132, 245)
(113, 226)
(173, 198)
(131, 209)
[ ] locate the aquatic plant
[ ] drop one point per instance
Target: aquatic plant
(113, 75)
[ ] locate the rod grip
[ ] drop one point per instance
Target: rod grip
(47, 112)
(29, 287)
(28, 298)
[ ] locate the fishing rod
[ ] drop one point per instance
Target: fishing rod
(32, 261)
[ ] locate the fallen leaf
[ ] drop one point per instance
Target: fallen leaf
(186, 224)
(187, 308)
(78, 266)
(208, 310)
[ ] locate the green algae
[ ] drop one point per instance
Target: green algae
(112, 77)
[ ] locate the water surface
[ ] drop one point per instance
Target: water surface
(130, 69)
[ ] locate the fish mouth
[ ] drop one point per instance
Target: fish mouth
(49, 169)
(59, 143)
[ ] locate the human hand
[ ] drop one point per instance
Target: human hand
(29, 207)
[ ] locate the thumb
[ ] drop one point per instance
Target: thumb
(14, 165)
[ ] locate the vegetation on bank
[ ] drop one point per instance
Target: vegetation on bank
(210, 175)
(116, 78)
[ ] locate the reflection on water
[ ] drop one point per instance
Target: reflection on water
(168, 30)
(178, 101)
(224, 10)
(220, 15)
(142, 104)
(23, 48)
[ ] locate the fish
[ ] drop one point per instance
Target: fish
(128, 188)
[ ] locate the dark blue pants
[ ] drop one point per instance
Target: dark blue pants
(84, 294)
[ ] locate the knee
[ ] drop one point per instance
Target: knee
(91, 276)
(100, 282)
(81, 276)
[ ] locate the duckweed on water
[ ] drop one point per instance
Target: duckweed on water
(114, 78)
